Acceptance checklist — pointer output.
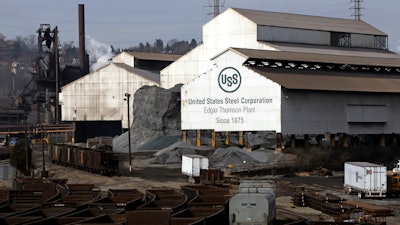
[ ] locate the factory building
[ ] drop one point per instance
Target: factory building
(290, 74)
(97, 102)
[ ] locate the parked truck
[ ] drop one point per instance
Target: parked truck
(366, 179)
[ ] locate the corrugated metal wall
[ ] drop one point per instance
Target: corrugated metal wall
(318, 112)
(100, 95)
(227, 30)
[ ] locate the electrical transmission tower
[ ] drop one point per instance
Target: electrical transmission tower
(216, 4)
(357, 9)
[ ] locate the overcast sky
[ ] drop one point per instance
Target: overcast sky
(126, 23)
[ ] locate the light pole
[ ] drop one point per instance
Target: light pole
(26, 145)
(127, 95)
(44, 171)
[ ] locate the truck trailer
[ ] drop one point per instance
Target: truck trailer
(366, 179)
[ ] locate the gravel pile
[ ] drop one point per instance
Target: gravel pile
(222, 158)
(173, 154)
(156, 127)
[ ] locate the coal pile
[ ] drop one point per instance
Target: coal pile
(156, 127)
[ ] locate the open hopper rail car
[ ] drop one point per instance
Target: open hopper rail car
(93, 160)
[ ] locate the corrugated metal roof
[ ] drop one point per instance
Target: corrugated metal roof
(154, 56)
(386, 60)
(150, 75)
(279, 19)
(333, 81)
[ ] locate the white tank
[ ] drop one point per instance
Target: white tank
(254, 203)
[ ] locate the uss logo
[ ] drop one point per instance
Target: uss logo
(229, 79)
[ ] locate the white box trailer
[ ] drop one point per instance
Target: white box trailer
(366, 179)
(192, 164)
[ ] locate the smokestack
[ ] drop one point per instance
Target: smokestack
(83, 61)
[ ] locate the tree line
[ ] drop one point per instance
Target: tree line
(24, 49)
(172, 47)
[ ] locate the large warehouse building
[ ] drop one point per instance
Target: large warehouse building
(259, 71)
(291, 74)
(97, 102)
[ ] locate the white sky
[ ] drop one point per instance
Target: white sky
(126, 23)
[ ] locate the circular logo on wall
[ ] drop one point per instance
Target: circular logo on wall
(229, 79)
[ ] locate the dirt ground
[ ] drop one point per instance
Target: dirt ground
(143, 176)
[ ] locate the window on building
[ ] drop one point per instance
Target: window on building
(340, 39)
(380, 42)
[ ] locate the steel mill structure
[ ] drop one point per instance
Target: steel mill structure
(303, 77)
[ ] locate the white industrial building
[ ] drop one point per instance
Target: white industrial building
(259, 71)
(292, 74)
(100, 96)
(253, 29)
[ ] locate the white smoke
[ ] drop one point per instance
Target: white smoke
(99, 53)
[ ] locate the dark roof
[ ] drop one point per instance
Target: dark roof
(324, 79)
(279, 19)
(150, 75)
(333, 81)
(385, 59)
(154, 56)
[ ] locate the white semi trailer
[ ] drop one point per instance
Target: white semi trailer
(366, 179)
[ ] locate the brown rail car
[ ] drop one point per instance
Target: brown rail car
(93, 160)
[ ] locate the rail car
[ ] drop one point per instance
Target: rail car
(99, 161)
(5, 152)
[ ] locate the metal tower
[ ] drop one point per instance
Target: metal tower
(45, 75)
(357, 9)
(216, 4)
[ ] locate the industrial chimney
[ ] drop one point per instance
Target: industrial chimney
(83, 58)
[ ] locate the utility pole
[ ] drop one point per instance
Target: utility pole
(127, 95)
(27, 167)
(45, 173)
(357, 9)
(57, 64)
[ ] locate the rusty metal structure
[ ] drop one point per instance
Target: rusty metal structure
(340, 208)
(38, 104)
(44, 201)
(45, 76)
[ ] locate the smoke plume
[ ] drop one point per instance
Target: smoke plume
(99, 53)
